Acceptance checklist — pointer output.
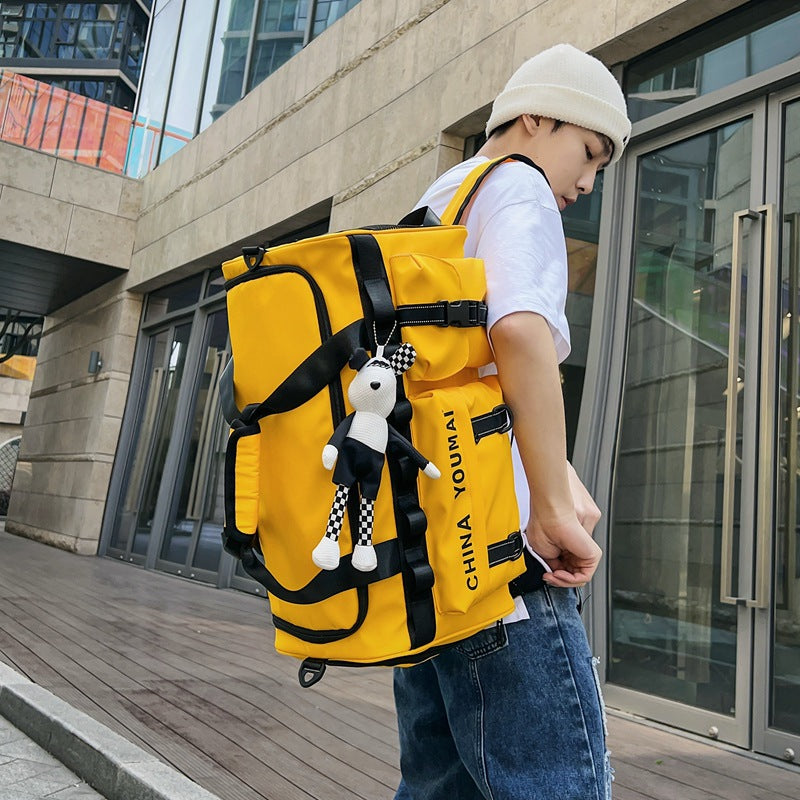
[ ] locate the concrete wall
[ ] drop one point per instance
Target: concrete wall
(65, 207)
(367, 115)
(73, 420)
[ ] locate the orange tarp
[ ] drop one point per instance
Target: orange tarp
(53, 120)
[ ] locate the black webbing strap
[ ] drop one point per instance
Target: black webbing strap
(376, 297)
(531, 579)
(234, 540)
(311, 377)
(498, 420)
(326, 583)
(379, 316)
(510, 549)
(455, 313)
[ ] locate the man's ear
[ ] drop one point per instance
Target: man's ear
(532, 123)
(358, 359)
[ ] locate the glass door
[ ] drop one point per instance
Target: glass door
(683, 493)
(165, 365)
(777, 647)
(192, 544)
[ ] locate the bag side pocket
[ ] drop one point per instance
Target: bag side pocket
(473, 538)
(420, 280)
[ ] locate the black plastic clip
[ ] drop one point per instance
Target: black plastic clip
(310, 672)
(463, 314)
(253, 255)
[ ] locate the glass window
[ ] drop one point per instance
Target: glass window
(269, 55)
(178, 295)
(216, 282)
(754, 38)
(785, 708)
(328, 11)
(225, 77)
(184, 99)
(166, 354)
(149, 122)
(194, 532)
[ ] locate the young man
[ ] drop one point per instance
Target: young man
(514, 712)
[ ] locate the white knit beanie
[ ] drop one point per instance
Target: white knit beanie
(567, 84)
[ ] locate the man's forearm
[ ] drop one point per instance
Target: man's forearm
(528, 371)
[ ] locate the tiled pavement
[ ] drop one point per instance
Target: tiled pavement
(29, 773)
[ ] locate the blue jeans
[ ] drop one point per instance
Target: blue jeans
(512, 713)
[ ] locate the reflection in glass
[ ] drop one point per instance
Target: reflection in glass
(166, 359)
(328, 11)
(669, 633)
(225, 82)
(193, 534)
(187, 78)
(151, 105)
(786, 632)
(165, 418)
(759, 36)
(144, 434)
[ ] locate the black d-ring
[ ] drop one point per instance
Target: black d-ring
(310, 672)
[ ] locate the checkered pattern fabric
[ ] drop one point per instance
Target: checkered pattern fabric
(366, 517)
(403, 358)
(338, 510)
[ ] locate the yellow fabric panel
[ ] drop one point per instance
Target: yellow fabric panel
(441, 352)
(247, 483)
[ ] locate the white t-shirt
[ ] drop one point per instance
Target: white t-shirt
(515, 226)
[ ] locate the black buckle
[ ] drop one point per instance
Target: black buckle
(515, 539)
(310, 672)
(463, 314)
(457, 314)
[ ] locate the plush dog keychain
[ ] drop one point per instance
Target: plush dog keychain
(358, 449)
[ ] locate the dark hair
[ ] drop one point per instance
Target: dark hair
(502, 128)
(608, 145)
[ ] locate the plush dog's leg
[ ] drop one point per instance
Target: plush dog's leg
(326, 553)
(364, 557)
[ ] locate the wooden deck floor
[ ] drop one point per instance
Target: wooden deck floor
(188, 673)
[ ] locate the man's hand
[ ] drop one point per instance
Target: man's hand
(585, 508)
(569, 551)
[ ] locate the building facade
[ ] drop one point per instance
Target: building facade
(683, 387)
(216, 51)
(92, 49)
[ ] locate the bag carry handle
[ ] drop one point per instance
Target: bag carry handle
(313, 375)
(464, 194)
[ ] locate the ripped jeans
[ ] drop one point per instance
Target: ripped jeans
(512, 713)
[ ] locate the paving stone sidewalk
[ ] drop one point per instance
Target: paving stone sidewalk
(29, 773)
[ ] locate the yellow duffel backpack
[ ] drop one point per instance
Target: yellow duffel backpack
(368, 475)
